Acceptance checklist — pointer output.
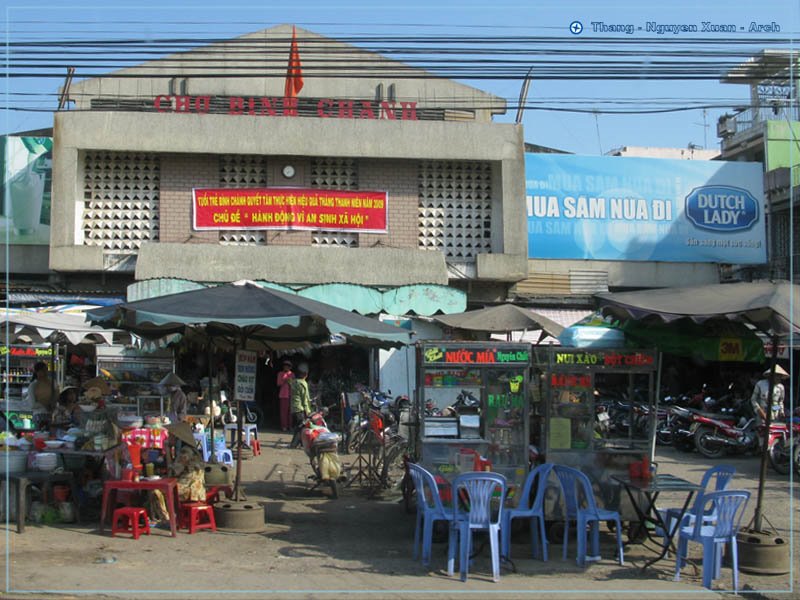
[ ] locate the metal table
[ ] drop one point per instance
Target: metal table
(25, 479)
(651, 488)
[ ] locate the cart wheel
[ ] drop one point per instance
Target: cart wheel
(407, 487)
(635, 535)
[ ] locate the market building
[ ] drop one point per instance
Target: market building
(445, 180)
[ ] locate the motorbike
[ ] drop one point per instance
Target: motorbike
(716, 434)
(321, 446)
(252, 414)
(783, 453)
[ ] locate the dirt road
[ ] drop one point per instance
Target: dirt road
(313, 546)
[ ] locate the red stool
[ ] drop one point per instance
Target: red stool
(255, 446)
(127, 520)
(196, 516)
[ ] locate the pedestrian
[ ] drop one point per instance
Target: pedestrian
(758, 399)
(301, 402)
(41, 395)
(178, 402)
(285, 377)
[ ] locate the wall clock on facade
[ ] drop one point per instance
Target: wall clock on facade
(288, 171)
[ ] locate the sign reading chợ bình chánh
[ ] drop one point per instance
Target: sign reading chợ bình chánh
(289, 208)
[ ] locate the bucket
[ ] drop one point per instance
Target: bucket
(60, 493)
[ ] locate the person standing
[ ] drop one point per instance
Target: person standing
(285, 377)
(758, 399)
(301, 402)
(178, 402)
(41, 395)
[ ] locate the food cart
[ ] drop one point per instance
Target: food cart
(16, 369)
(565, 415)
(472, 399)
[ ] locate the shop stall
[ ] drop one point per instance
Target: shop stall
(568, 419)
(16, 370)
(134, 377)
(472, 398)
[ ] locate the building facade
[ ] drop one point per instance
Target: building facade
(768, 132)
(138, 142)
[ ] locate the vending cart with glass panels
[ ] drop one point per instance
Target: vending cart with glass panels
(472, 398)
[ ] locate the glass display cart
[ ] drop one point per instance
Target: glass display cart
(16, 372)
(134, 377)
(472, 402)
(572, 431)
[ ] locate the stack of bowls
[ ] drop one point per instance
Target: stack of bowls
(46, 461)
(17, 461)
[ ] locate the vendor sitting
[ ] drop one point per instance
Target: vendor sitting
(67, 413)
(188, 467)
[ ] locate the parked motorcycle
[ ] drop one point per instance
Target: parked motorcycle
(783, 452)
(715, 436)
(321, 446)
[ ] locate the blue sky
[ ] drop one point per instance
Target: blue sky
(590, 133)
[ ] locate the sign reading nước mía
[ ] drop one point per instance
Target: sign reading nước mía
(289, 208)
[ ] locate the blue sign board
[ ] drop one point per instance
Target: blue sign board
(644, 209)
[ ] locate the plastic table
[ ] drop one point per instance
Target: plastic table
(167, 485)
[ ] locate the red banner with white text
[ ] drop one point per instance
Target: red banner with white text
(289, 208)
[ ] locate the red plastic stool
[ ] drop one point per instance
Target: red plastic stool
(196, 516)
(127, 520)
(255, 446)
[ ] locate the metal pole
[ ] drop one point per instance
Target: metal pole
(212, 454)
(762, 474)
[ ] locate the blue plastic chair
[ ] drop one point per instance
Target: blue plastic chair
(477, 488)
(728, 506)
(721, 476)
(530, 509)
(582, 508)
(429, 509)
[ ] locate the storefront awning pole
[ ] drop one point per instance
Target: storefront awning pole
(212, 455)
(654, 409)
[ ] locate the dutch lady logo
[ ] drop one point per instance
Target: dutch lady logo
(721, 208)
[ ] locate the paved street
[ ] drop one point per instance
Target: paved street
(312, 546)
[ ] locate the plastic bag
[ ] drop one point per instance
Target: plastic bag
(329, 466)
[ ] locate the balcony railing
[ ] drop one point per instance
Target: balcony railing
(751, 117)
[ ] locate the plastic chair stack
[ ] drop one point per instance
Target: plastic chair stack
(728, 506)
(477, 489)
(577, 487)
(429, 510)
(529, 508)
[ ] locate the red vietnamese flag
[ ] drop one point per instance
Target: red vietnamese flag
(294, 76)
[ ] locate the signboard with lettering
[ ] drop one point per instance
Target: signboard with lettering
(644, 209)
(573, 359)
(289, 208)
(246, 375)
(466, 354)
(268, 106)
(26, 351)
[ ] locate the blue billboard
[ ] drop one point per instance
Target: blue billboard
(648, 209)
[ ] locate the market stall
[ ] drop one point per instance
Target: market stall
(472, 398)
(134, 377)
(569, 429)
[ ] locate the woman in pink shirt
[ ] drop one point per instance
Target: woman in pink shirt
(285, 377)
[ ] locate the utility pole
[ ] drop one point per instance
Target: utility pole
(523, 96)
(705, 128)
